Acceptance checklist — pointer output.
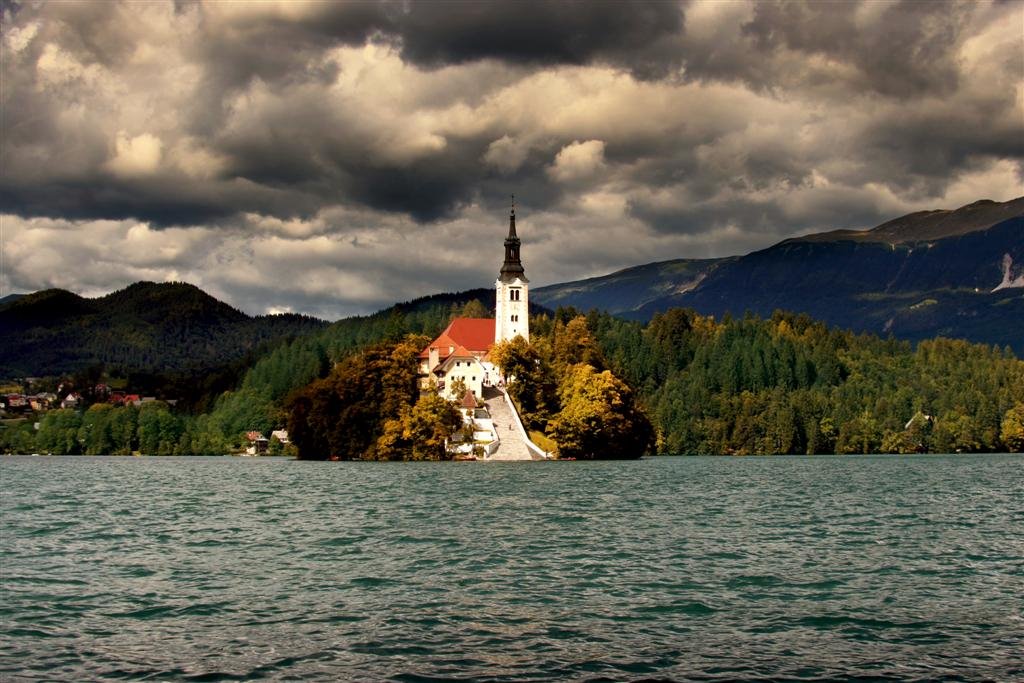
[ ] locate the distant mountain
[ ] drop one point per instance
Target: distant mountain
(146, 327)
(934, 273)
(630, 289)
(929, 225)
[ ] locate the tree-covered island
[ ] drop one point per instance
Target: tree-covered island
(375, 406)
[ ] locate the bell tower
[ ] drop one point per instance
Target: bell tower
(512, 312)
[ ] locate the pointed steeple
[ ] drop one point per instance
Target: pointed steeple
(512, 290)
(512, 267)
(512, 219)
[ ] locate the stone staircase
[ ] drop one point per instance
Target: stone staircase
(512, 447)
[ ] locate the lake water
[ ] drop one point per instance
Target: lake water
(892, 568)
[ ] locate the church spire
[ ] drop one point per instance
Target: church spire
(512, 295)
(512, 219)
(512, 267)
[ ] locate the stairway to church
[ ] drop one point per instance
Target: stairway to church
(512, 447)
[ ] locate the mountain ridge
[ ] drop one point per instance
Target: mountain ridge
(921, 226)
(935, 273)
(151, 327)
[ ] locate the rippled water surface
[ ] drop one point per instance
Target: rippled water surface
(903, 568)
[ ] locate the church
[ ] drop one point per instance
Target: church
(462, 351)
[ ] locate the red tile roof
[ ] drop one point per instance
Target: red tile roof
(475, 334)
(469, 400)
(462, 352)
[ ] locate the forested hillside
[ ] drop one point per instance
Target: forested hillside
(258, 401)
(255, 403)
(789, 384)
(785, 384)
(164, 329)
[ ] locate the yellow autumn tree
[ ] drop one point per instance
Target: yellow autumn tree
(1012, 432)
(599, 418)
(420, 431)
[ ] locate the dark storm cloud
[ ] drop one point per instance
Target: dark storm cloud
(930, 144)
(300, 145)
(158, 201)
(639, 36)
(901, 50)
(277, 47)
(626, 33)
(630, 131)
(767, 218)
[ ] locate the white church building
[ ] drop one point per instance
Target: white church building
(462, 351)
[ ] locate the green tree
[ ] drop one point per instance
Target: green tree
(472, 309)
(18, 438)
(95, 434)
(122, 426)
(159, 432)
(531, 379)
(515, 357)
(860, 435)
(58, 432)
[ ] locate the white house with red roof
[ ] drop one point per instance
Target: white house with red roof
(462, 351)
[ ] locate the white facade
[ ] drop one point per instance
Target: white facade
(512, 309)
(467, 368)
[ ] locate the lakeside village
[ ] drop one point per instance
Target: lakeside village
(15, 405)
(457, 365)
(19, 407)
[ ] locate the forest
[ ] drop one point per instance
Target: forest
(370, 408)
(784, 384)
(216, 423)
(791, 385)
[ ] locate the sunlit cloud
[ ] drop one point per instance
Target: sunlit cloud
(332, 158)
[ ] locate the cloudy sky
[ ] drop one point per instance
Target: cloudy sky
(334, 157)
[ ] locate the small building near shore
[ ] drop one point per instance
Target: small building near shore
(258, 443)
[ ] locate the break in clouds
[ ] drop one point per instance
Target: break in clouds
(332, 158)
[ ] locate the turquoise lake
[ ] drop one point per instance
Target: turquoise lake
(810, 568)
